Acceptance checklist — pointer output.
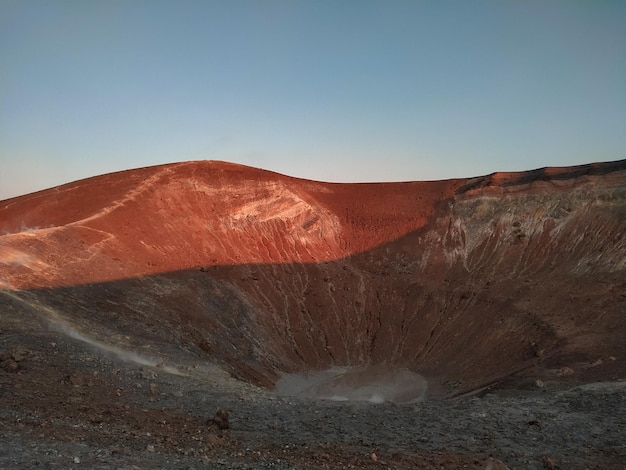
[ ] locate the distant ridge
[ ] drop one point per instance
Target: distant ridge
(544, 174)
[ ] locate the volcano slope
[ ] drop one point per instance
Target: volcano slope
(137, 292)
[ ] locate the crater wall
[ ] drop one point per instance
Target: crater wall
(468, 282)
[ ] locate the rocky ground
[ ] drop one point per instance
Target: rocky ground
(67, 404)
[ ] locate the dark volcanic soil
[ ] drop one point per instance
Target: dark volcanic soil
(71, 405)
(134, 306)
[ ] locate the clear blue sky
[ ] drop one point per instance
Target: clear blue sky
(335, 90)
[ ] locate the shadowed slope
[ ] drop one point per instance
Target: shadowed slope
(468, 281)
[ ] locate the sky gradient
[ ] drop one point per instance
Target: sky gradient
(363, 90)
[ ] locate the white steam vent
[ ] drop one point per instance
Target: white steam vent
(374, 384)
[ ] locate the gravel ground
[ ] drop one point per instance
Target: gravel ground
(67, 404)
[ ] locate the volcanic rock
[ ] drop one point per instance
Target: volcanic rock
(221, 419)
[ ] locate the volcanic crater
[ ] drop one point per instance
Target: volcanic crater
(137, 308)
(504, 280)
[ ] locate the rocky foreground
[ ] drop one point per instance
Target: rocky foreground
(68, 404)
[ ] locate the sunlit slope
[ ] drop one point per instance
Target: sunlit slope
(178, 216)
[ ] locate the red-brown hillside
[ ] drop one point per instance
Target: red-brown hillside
(172, 217)
(469, 281)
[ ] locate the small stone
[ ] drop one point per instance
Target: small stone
(10, 365)
(221, 419)
(374, 457)
(147, 373)
(564, 372)
(76, 460)
(549, 462)
(539, 383)
(20, 355)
